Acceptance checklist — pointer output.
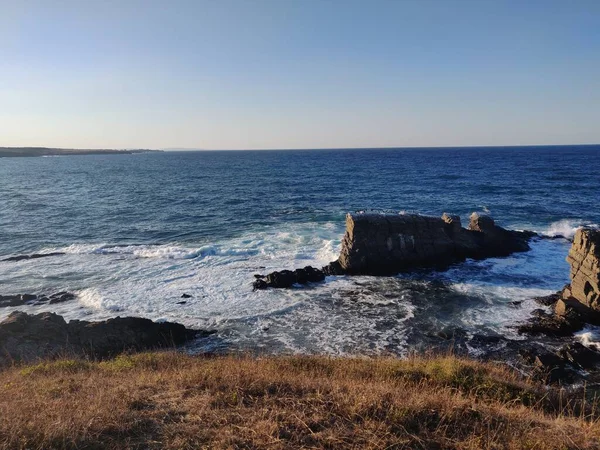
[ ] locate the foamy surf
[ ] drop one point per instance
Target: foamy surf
(208, 285)
(565, 228)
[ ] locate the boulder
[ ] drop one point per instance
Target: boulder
(287, 278)
(25, 337)
(385, 244)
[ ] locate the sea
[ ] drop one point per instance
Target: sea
(141, 232)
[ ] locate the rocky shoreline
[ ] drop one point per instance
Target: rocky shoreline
(28, 338)
(384, 244)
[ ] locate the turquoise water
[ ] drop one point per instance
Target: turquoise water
(141, 230)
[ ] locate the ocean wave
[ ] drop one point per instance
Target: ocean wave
(93, 299)
(154, 251)
(565, 228)
(318, 243)
(589, 336)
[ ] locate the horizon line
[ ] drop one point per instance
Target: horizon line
(197, 149)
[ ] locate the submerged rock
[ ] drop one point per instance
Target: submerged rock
(34, 256)
(25, 337)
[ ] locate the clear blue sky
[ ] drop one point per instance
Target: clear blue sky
(226, 74)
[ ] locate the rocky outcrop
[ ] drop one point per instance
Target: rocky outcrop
(579, 302)
(25, 337)
(287, 278)
(384, 244)
(35, 300)
(584, 258)
(562, 366)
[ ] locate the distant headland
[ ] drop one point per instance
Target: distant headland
(46, 151)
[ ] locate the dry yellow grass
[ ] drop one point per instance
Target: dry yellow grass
(170, 400)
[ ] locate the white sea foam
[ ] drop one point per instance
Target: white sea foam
(589, 335)
(566, 228)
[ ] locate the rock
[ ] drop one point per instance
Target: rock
(34, 256)
(584, 258)
(25, 337)
(61, 297)
(287, 278)
(385, 244)
(552, 324)
(548, 300)
(35, 300)
(548, 367)
(452, 220)
(449, 333)
(10, 300)
(579, 301)
(333, 268)
(186, 296)
(580, 356)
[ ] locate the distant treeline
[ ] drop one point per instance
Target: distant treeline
(45, 151)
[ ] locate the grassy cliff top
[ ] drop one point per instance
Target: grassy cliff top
(171, 400)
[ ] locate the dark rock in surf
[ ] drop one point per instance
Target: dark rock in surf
(25, 337)
(287, 278)
(333, 268)
(580, 356)
(34, 256)
(548, 300)
(552, 324)
(186, 296)
(60, 297)
(13, 300)
(35, 300)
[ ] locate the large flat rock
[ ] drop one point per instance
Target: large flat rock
(381, 244)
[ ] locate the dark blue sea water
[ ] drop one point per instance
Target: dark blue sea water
(140, 230)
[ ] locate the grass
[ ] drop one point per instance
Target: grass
(174, 401)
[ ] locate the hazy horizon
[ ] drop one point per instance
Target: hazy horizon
(299, 75)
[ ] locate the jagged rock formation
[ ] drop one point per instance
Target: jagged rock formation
(384, 244)
(25, 337)
(584, 258)
(579, 302)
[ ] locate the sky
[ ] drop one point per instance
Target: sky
(257, 74)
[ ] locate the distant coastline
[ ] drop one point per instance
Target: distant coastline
(46, 151)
